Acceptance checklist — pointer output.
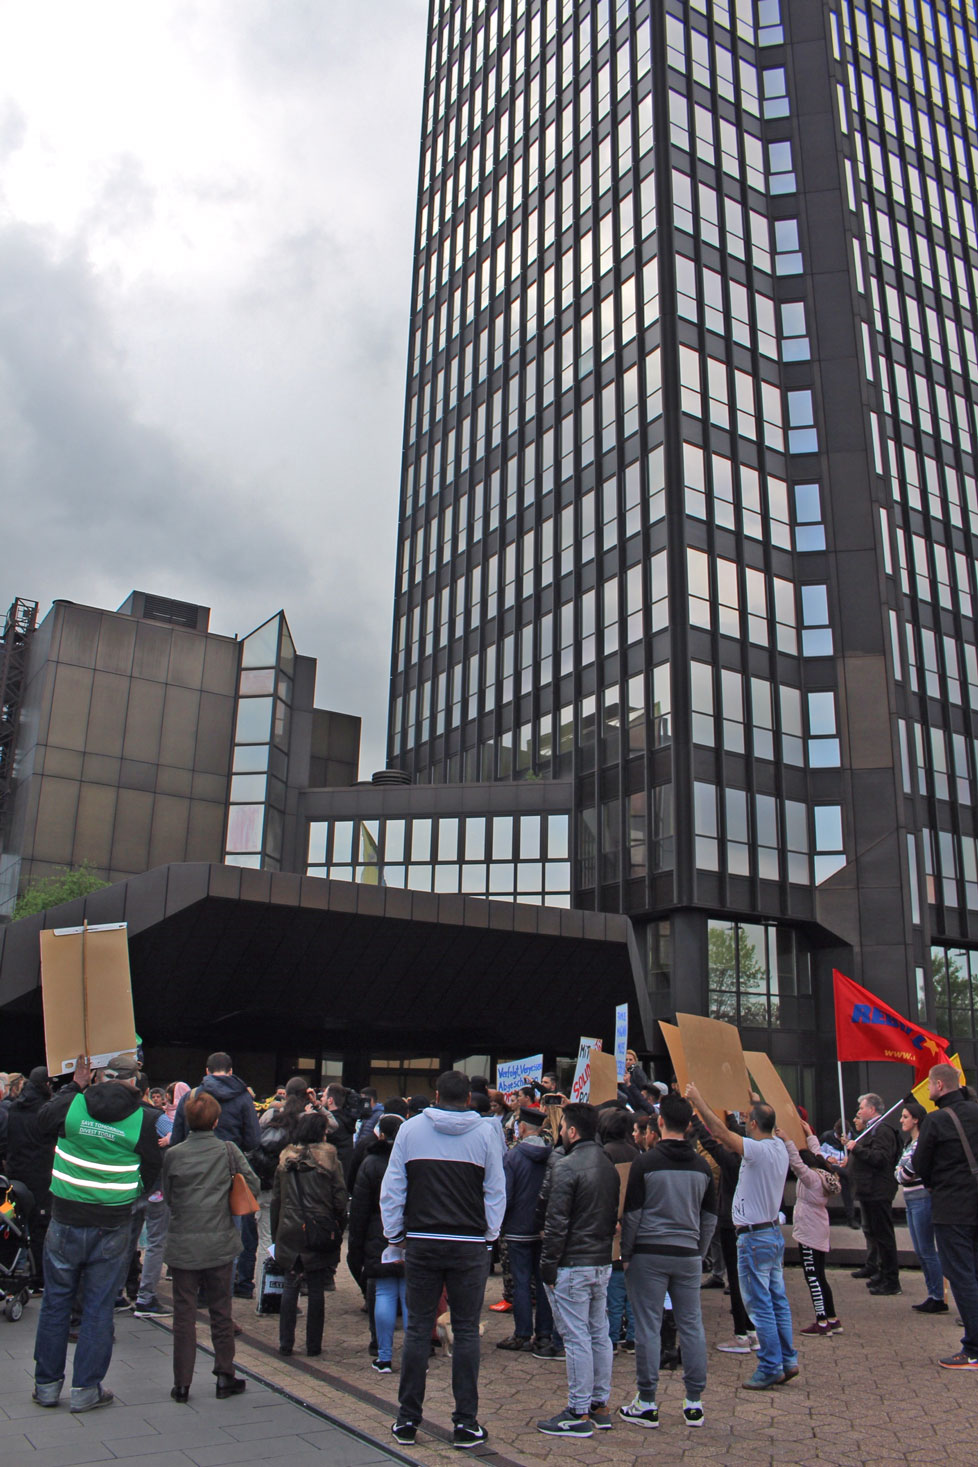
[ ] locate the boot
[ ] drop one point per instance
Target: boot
(230, 1385)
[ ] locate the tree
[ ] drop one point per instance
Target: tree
(738, 979)
(65, 885)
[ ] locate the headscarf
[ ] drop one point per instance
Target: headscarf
(180, 1089)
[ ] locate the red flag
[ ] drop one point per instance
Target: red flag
(868, 1029)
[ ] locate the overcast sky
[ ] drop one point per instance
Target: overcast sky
(206, 236)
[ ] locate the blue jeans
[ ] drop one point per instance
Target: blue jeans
(760, 1264)
(619, 1306)
(524, 1263)
(461, 1269)
(921, 1230)
(957, 1245)
(88, 1260)
(244, 1273)
(387, 1293)
(580, 1304)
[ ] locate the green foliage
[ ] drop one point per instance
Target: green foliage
(65, 885)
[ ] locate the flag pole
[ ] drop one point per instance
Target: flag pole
(842, 1108)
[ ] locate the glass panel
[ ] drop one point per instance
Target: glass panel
(529, 837)
(244, 827)
(249, 758)
(237, 859)
(558, 837)
(261, 648)
(251, 683)
(247, 787)
(446, 878)
(421, 845)
(475, 838)
(722, 958)
(254, 721)
(283, 721)
(394, 848)
(342, 840)
(474, 880)
(558, 876)
(752, 964)
(287, 656)
(318, 831)
(393, 876)
(502, 837)
(273, 833)
(448, 845)
(501, 875)
(284, 687)
(419, 878)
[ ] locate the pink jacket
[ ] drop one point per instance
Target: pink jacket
(811, 1217)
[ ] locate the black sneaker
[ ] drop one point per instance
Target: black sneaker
(547, 1350)
(150, 1308)
(516, 1342)
(566, 1423)
(382, 1367)
(405, 1432)
(464, 1437)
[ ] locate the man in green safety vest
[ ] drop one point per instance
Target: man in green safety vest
(106, 1154)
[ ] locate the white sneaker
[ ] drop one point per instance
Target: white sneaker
(693, 1412)
(739, 1345)
(755, 1343)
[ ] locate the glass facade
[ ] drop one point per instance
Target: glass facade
(688, 458)
(260, 756)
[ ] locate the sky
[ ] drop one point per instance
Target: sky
(207, 216)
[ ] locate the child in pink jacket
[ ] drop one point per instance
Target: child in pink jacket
(810, 1229)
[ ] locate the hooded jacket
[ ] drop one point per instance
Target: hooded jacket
(444, 1181)
(670, 1203)
(30, 1155)
(238, 1120)
(365, 1240)
(582, 1211)
(111, 1102)
(324, 1195)
(941, 1164)
(525, 1166)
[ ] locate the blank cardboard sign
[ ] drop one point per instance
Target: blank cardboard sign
(604, 1077)
(87, 995)
(674, 1044)
(715, 1061)
(772, 1088)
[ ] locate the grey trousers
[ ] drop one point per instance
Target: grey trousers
(649, 1277)
(157, 1223)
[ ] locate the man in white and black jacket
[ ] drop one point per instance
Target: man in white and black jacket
(669, 1219)
(443, 1198)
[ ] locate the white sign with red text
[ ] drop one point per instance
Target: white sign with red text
(581, 1088)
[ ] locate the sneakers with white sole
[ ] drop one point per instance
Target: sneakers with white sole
(640, 1413)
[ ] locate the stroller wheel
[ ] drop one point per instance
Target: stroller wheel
(13, 1309)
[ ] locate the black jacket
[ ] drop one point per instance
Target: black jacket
(728, 1163)
(941, 1164)
(324, 1196)
(365, 1240)
(238, 1121)
(30, 1154)
(525, 1166)
(111, 1101)
(582, 1211)
(871, 1164)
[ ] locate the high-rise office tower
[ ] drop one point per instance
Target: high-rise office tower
(689, 514)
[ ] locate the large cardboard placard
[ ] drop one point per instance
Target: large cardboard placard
(674, 1044)
(772, 1089)
(604, 1077)
(623, 1168)
(87, 995)
(715, 1061)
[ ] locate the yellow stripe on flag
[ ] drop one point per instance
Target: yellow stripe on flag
(919, 1092)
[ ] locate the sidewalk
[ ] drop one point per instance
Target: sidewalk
(143, 1426)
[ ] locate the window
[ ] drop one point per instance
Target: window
(816, 636)
(795, 345)
(829, 849)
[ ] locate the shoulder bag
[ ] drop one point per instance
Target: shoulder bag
(241, 1199)
(969, 1154)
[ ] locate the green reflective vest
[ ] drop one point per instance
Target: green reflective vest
(96, 1161)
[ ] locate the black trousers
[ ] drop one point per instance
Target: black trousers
(728, 1243)
(881, 1239)
(813, 1263)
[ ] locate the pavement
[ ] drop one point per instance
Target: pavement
(871, 1397)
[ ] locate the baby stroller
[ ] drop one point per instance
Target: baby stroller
(16, 1259)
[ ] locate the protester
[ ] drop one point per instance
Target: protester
(811, 1229)
(669, 1219)
(443, 1197)
(175, 1092)
(870, 1162)
(525, 1166)
(308, 1217)
(728, 1165)
(382, 1282)
(945, 1161)
(30, 1156)
(238, 1122)
(833, 1144)
(917, 1201)
(343, 1112)
(575, 1263)
(760, 1246)
(614, 1132)
(106, 1154)
(150, 1213)
(202, 1241)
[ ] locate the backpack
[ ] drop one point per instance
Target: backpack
(264, 1158)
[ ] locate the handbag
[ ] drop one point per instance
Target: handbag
(241, 1199)
(969, 1154)
(321, 1233)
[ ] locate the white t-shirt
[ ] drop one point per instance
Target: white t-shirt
(760, 1186)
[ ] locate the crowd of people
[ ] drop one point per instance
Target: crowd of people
(608, 1222)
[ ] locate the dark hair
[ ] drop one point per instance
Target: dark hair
(201, 1110)
(676, 1112)
(395, 1106)
(640, 1123)
(584, 1119)
(914, 1108)
(763, 1117)
(142, 1082)
(614, 1125)
(218, 1061)
(479, 1082)
(298, 1085)
(389, 1125)
(478, 1101)
(453, 1086)
(369, 1093)
(310, 1129)
(337, 1093)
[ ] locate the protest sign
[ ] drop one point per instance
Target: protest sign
(623, 1168)
(715, 1061)
(674, 1044)
(581, 1087)
(771, 1086)
(86, 992)
(621, 1038)
(511, 1076)
(604, 1077)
